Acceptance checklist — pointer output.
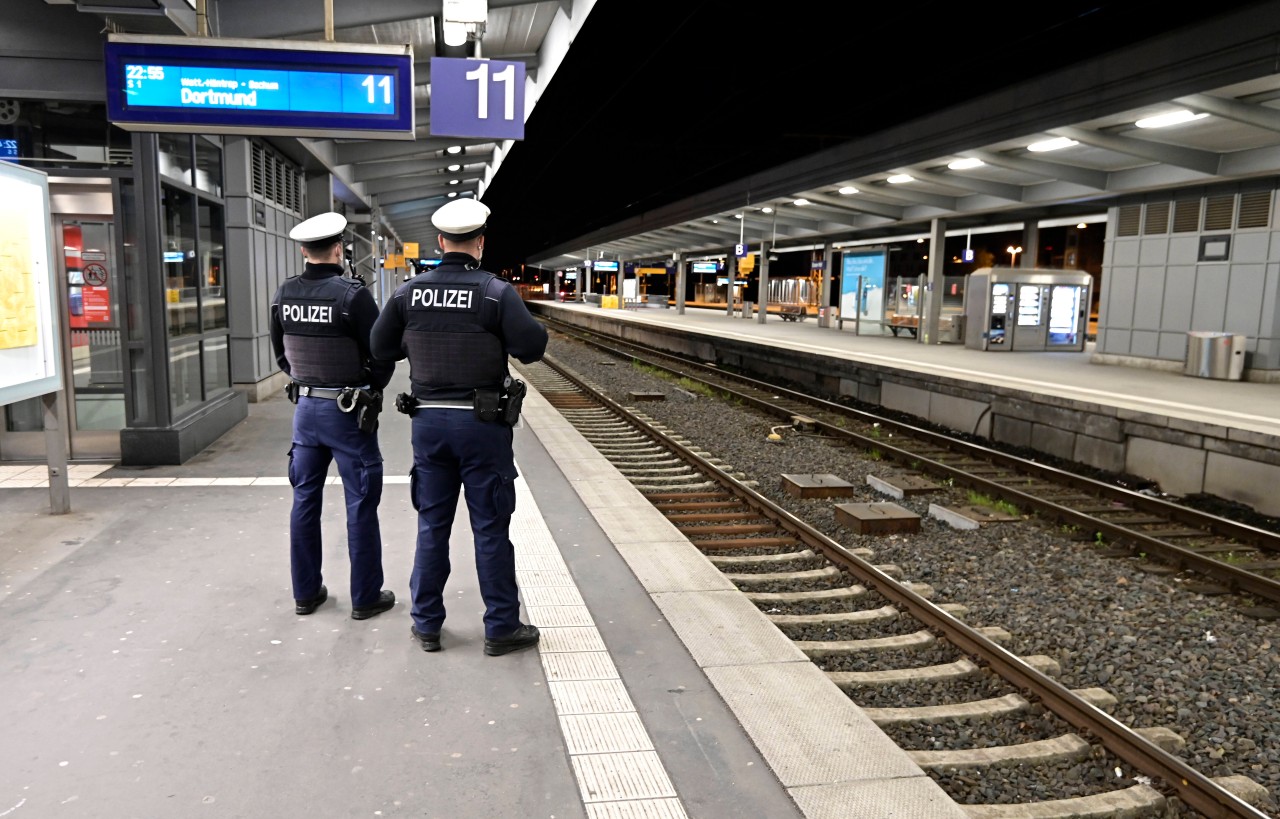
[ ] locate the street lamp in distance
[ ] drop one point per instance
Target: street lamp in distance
(1013, 252)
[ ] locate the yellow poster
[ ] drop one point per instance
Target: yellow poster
(411, 250)
(19, 314)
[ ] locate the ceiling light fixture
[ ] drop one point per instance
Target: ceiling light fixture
(965, 163)
(455, 168)
(847, 190)
(1054, 144)
(800, 202)
(452, 194)
(454, 181)
(1171, 118)
(766, 210)
(453, 149)
(899, 178)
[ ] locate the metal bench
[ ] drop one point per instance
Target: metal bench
(792, 312)
(909, 323)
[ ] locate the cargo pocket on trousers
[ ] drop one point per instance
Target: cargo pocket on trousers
(413, 490)
(504, 494)
(293, 481)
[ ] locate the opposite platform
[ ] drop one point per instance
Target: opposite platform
(1188, 434)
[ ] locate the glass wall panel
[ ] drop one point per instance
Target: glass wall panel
(217, 366)
(213, 303)
(208, 166)
(185, 392)
(175, 157)
(24, 416)
(182, 279)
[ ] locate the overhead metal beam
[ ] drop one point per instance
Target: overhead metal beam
(1247, 113)
(1039, 167)
(1205, 162)
(852, 203)
(424, 182)
(1002, 190)
(346, 153)
(291, 18)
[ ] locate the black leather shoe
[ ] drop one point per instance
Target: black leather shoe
(308, 606)
(429, 640)
(522, 637)
(386, 599)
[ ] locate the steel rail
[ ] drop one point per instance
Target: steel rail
(1193, 787)
(1235, 578)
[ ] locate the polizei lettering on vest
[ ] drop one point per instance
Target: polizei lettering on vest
(442, 297)
(311, 313)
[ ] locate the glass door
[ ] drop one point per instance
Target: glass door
(86, 260)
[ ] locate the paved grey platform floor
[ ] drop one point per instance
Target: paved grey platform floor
(153, 665)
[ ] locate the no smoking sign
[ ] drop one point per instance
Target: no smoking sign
(95, 274)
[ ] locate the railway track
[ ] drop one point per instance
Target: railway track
(923, 674)
(1231, 556)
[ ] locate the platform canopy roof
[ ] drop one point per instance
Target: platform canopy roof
(664, 128)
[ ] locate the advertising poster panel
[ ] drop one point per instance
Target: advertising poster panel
(867, 267)
(29, 357)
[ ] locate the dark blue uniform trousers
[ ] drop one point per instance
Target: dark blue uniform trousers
(323, 433)
(453, 450)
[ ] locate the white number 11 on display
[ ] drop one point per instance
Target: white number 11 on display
(464, 101)
(507, 77)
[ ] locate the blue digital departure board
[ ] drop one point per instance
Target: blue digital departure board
(251, 87)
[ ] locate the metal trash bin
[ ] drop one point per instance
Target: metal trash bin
(1215, 355)
(748, 309)
(824, 316)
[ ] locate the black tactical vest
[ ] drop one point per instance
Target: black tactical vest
(451, 334)
(319, 347)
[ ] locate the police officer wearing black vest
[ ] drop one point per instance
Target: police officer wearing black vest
(320, 324)
(457, 325)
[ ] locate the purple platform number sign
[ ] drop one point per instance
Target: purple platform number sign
(477, 98)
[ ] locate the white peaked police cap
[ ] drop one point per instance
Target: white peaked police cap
(461, 219)
(320, 231)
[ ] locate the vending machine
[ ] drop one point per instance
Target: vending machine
(1027, 309)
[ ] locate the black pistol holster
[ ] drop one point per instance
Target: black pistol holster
(291, 392)
(366, 404)
(406, 404)
(513, 400)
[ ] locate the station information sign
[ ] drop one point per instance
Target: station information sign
(259, 87)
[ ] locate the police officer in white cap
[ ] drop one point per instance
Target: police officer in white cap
(457, 324)
(320, 325)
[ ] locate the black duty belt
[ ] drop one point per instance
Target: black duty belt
(319, 392)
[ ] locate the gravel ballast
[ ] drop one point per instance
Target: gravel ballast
(1172, 657)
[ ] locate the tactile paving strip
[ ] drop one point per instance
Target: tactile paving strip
(619, 774)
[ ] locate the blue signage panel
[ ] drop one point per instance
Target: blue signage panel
(208, 86)
(865, 268)
(477, 98)
(605, 266)
(705, 267)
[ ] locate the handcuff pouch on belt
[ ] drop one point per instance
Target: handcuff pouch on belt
(488, 403)
(366, 404)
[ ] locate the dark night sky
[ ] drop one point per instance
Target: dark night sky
(659, 101)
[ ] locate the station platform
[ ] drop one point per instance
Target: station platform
(1188, 433)
(153, 664)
